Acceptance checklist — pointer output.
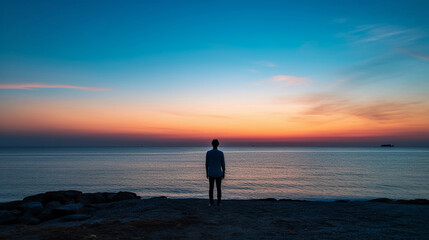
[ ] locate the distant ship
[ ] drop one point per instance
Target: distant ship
(387, 145)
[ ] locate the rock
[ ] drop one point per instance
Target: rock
(120, 196)
(53, 204)
(414, 201)
(268, 199)
(62, 196)
(47, 214)
(32, 205)
(292, 200)
(67, 209)
(108, 196)
(92, 198)
(16, 212)
(7, 217)
(32, 208)
(382, 200)
(92, 237)
(73, 194)
(55, 196)
(10, 205)
(34, 198)
(28, 219)
(76, 217)
(89, 209)
(160, 197)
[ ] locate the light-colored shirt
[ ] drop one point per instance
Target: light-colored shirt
(215, 163)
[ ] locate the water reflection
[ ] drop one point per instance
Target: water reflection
(300, 173)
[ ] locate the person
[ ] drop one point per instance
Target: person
(215, 171)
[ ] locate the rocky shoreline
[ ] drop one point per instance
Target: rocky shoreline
(70, 205)
(124, 215)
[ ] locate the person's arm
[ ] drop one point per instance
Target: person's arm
(207, 165)
(222, 162)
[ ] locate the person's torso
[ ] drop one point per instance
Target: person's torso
(214, 159)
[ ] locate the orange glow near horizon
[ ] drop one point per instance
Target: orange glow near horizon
(71, 117)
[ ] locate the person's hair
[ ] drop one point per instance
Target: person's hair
(215, 143)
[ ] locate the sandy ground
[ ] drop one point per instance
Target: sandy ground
(236, 219)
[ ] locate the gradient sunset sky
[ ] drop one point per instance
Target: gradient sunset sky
(173, 73)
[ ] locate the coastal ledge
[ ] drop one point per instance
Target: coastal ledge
(124, 215)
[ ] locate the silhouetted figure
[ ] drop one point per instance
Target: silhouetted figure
(215, 171)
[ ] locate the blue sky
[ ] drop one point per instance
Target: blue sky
(250, 56)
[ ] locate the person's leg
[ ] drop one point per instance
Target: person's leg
(219, 189)
(211, 186)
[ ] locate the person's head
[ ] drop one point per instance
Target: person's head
(215, 143)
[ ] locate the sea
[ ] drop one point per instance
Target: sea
(305, 173)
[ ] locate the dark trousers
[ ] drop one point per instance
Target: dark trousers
(218, 189)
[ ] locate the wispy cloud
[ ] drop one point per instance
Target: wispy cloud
(252, 70)
(340, 20)
(393, 67)
(268, 64)
(380, 110)
(415, 55)
(376, 33)
(394, 35)
(36, 86)
(386, 43)
(287, 80)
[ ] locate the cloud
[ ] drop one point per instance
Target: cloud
(377, 110)
(386, 44)
(419, 56)
(35, 86)
(340, 20)
(253, 70)
(393, 67)
(376, 33)
(382, 33)
(287, 80)
(268, 64)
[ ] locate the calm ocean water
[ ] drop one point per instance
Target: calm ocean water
(253, 172)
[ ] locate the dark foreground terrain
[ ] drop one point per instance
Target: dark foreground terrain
(73, 215)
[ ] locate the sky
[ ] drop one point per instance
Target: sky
(180, 73)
